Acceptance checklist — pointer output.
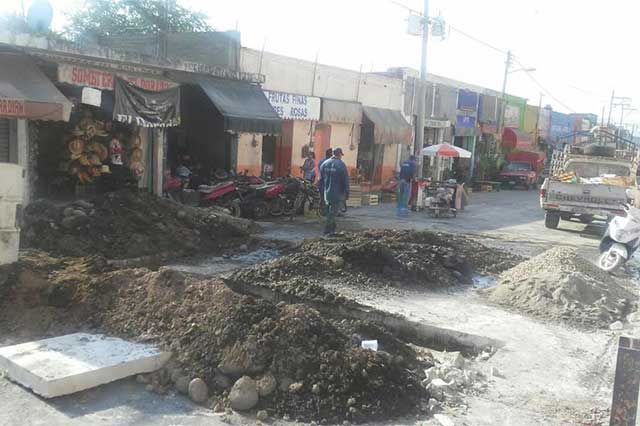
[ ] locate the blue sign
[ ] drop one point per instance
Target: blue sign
(467, 100)
(465, 121)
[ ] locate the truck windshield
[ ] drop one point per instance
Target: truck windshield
(590, 170)
(518, 167)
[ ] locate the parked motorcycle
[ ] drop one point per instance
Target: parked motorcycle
(261, 200)
(224, 194)
(621, 240)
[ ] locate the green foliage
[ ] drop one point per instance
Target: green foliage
(99, 18)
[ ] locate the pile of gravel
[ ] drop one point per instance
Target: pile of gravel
(560, 285)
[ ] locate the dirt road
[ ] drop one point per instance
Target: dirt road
(548, 374)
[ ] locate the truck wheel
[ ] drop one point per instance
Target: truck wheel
(551, 220)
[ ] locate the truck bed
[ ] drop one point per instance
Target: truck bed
(589, 199)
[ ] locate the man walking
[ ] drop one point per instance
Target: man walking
(407, 173)
(334, 187)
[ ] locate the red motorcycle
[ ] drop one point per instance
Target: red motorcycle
(260, 200)
(223, 194)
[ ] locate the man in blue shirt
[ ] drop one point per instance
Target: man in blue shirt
(334, 187)
(407, 173)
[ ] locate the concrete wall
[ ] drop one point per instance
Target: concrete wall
(286, 74)
(341, 134)
(300, 138)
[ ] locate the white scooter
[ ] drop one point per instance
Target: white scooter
(621, 240)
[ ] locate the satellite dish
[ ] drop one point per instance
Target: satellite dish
(39, 16)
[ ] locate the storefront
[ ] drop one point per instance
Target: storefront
(114, 137)
(343, 120)
(224, 125)
(466, 133)
(284, 154)
(382, 131)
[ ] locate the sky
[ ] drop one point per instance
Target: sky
(581, 49)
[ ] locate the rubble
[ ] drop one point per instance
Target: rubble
(375, 259)
(127, 224)
(562, 286)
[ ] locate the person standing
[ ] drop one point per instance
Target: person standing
(407, 173)
(334, 184)
(309, 167)
(327, 155)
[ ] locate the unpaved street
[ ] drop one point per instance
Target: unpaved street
(542, 373)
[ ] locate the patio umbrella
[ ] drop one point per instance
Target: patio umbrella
(445, 150)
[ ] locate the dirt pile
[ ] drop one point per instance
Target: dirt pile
(560, 285)
(218, 335)
(375, 258)
(126, 224)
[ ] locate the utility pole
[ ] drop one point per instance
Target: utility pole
(507, 65)
(422, 92)
(537, 130)
(613, 93)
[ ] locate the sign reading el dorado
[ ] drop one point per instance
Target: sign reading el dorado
(105, 80)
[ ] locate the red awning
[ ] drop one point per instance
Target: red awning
(516, 139)
(25, 92)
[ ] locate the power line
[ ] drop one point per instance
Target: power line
(541, 87)
(482, 42)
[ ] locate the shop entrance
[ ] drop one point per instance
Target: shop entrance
(269, 145)
(370, 155)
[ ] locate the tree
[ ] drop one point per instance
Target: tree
(100, 18)
(17, 24)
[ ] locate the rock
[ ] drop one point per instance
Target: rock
(633, 317)
(221, 380)
(266, 385)
(335, 261)
(431, 373)
(182, 384)
(149, 388)
(454, 359)
(243, 247)
(443, 420)
(438, 388)
(316, 389)
(616, 326)
(239, 359)
(79, 213)
(484, 356)
(296, 387)
(181, 214)
(84, 204)
(218, 408)
(175, 374)
(244, 394)
(433, 405)
(493, 371)
(351, 401)
(198, 390)
(142, 379)
(262, 415)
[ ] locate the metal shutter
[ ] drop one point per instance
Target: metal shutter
(5, 131)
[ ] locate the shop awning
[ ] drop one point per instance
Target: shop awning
(244, 106)
(390, 127)
(516, 139)
(334, 111)
(25, 92)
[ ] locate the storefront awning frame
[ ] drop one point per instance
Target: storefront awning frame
(390, 126)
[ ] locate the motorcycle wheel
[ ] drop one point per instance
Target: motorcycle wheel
(276, 207)
(260, 210)
(609, 261)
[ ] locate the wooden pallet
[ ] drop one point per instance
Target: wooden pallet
(369, 200)
(389, 197)
(355, 195)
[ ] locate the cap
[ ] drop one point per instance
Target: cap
(337, 151)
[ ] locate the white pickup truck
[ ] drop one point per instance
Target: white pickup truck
(586, 187)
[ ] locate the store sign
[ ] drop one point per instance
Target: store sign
(436, 124)
(146, 108)
(12, 108)
(467, 100)
(294, 107)
(512, 116)
(465, 121)
(105, 80)
(490, 129)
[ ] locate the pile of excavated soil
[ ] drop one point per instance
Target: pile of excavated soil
(219, 335)
(375, 258)
(562, 286)
(127, 224)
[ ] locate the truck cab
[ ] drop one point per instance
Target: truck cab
(523, 169)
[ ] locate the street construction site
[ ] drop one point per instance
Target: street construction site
(373, 325)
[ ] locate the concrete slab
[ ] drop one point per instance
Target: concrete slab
(68, 364)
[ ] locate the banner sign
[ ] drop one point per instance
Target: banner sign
(146, 108)
(12, 108)
(294, 107)
(436, 124)
(512, 116)
(105, 80)
(467, 100)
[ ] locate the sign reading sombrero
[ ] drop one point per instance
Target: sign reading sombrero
(105, 80)
(146, 108)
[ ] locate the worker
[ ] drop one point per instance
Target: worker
(334, 184)
(327, 155)
(407, 174)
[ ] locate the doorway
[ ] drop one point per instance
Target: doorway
(269, 156)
